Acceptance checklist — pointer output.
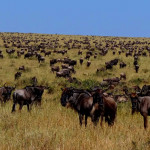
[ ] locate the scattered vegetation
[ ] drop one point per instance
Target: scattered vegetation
(53, 127)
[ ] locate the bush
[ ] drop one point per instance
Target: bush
(137, 81)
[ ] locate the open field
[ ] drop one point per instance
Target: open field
(52, 126)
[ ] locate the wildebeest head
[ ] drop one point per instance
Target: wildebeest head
(134, 101)
(98, 97)
(7, 91)
(66, 94)
(98, 106)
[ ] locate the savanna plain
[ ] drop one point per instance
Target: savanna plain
(52, 126)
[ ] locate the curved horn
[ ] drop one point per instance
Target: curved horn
(4, 85)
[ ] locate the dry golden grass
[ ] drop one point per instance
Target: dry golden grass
(52, 126)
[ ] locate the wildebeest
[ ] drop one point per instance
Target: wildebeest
(27, 96)
(142, 105)
(80, 100)
(48, 53)
(10, 51)
(88, 63)
(41, 58)
(55, 68)
(81, 61)
(28, 55)
(53, 61)
(79, 53)
(22, 68)
(136, 68)
(122, 76)
(122, 65)
(5, 93)
(63, 73)
(17, 75)
(104, 106)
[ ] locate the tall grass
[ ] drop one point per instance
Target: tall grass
(52, 126)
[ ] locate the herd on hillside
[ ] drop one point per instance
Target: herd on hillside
(95, 103)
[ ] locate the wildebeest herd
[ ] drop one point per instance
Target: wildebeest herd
(95, 102)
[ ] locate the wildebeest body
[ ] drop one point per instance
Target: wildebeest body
(27, 96)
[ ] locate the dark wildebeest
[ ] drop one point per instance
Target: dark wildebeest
(81, 61)
(41, 58)
(104, 106)
(122, 76)
(142, 105)
(28, 55)
(88, 56)
(53, 61)
(136, 68)
(79, 53)
(48, 53)
(17, 75)
(88, 63)
(22, 68)
(27, 96)
(63, 73)
(55, 68)
(122, 65)
(80, 100)
(5, 93)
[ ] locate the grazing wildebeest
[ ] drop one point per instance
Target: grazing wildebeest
(88, 63)
(80, 100)
(63, 73)
(55, 68)
(81, 61)
(27, 96)
(5, 93)
(22, 68)
(109, 66)
(17, 75)
(122, 76)
(48, 53)
(136, 68)
(142, 105)
(88, 56)
(41, 58)
(122, 65)
(28, 55)
(53, 61)
(104, 106)
(114, 52)
(79, 53)
(72, 62)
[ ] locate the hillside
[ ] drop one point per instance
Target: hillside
(52, 126)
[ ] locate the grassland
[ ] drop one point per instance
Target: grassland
(52, 126)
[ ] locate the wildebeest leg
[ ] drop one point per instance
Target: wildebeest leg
(13, 108)
(80, 118)
(106, 118)
(86, 120)
(101, 120)
(133, 111)
(20, 107)
(145, 121)
(2, 101)
(28, 107)
(112, 119)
